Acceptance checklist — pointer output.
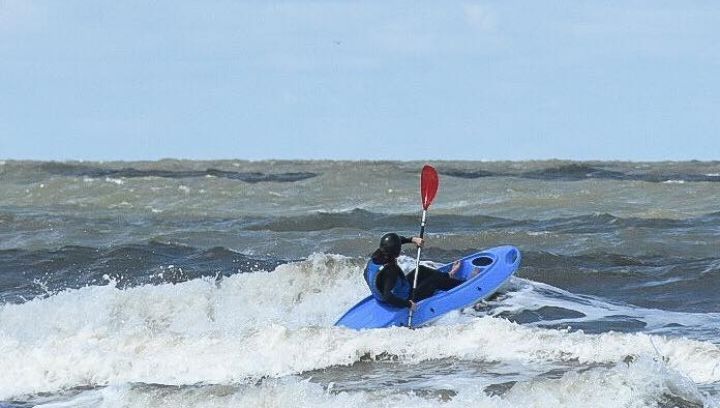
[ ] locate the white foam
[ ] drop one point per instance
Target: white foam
(641, 383)
(529, 295)
(276, 324)
(122, 204)
(114, 180)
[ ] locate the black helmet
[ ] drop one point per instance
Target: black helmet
(390, 243)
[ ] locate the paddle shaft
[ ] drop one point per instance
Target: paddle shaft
(417, 266)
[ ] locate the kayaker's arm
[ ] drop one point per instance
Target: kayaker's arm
(412, 240)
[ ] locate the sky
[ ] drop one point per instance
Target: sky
(401, 80)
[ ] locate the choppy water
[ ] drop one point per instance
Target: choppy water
(187, 283)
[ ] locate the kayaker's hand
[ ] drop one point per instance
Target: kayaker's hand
(418, 241)
(413, 306)
(455, 268)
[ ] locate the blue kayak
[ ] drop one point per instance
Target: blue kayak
(484, 273)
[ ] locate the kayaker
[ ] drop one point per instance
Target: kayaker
(388, 283)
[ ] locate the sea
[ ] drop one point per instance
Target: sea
(182, 283)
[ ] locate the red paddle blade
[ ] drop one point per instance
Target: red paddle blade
(428, 185)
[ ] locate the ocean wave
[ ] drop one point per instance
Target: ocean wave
(79, 170)
(363, 219)
(582, 171)
(671, 282)
(257, 325)
(535, 303)
(27, 274)
(640, 384)
(552, 170)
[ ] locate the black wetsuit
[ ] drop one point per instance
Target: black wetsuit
(429, 279)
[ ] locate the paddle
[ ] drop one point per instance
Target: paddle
(428, 189)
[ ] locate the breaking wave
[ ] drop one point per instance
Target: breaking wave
(274, 326)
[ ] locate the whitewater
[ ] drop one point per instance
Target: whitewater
(184, 283)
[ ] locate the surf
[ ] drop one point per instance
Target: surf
(279, 323)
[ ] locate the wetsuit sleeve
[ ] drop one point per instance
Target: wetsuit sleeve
(405, 240)
(391, 275)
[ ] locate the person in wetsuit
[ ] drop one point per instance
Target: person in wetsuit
(388, 283)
